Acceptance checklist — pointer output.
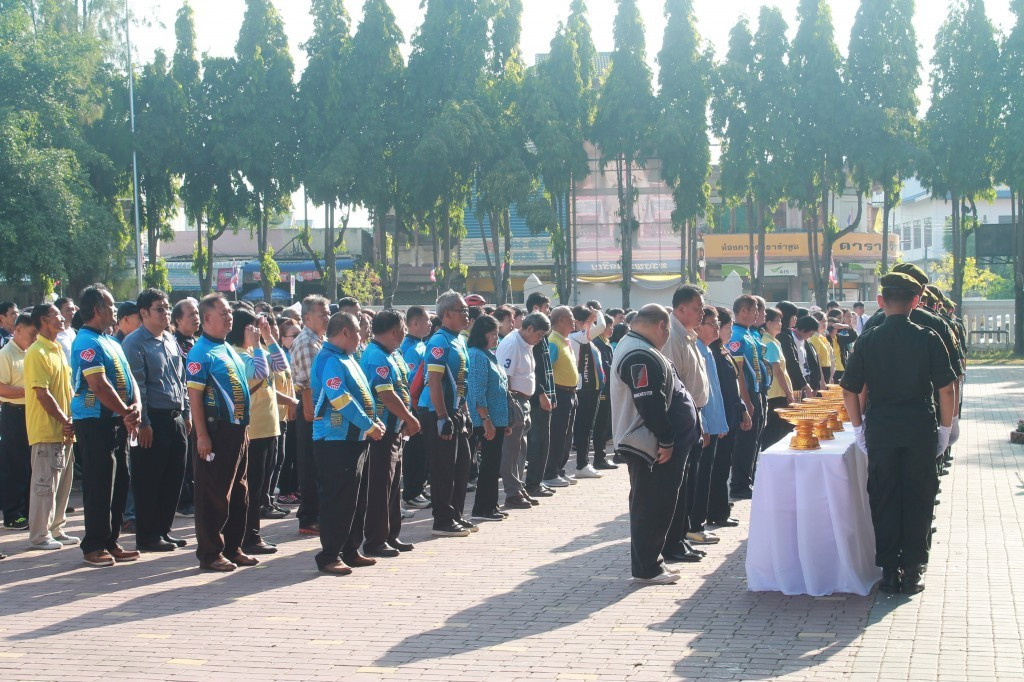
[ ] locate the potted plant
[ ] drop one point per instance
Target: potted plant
(1018, 435)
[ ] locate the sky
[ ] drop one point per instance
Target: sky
(218, 22)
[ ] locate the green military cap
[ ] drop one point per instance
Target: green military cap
(900, 280)
(912, 270)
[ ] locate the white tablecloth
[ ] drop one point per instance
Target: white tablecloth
(810, 523)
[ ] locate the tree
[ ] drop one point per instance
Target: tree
(622, 126)
(1010, 146)
(261, 116)
(961, 123)
(883, 76)
(976, 281)
(362, 283)
(683, 145)
(771, 130)
(733, 118)
(820, 133)
(328, 162)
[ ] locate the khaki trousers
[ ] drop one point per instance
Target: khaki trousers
(52, 472)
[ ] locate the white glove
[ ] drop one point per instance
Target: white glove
(943, 439)
(954, 431)
(862, 442)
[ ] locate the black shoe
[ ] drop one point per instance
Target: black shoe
(913, 581)
(401, 546)
(690, 548)
(725, 523)
(539, 491)
(450, 529)
(526, 496)
(681, 554)
(186, 511)
(178, 542)
(262, 548)
(890, 580)
(944, 472)
(471, 487)
(605, 465)
(20, 523)
(517, 502)
(386, 551)
(468, 525)
(272, 513)
(937, 501)
(158, 545)
(486, 516)
(499, 512)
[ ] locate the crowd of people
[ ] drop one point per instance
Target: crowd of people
(355, 419)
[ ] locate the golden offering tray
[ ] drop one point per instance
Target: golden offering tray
(805, 425)
(835, 423)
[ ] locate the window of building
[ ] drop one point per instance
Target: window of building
(904, 233)
(917, 234)
(928, 236)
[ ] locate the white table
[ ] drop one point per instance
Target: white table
(810, 523)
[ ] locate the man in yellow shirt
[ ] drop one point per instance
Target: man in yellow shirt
(822, 347)
(15, 454)
(50, 432)
(566, 376)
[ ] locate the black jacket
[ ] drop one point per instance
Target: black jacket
(793, 367)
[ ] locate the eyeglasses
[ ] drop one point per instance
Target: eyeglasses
(160, 310)
(289, 336)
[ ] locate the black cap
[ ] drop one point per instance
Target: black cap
(900, 280)
(127, 308)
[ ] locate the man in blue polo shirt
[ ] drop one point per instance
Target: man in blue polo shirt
(386, 371)
(746, 349)
(414, 453)
(218, 392)
(106, 413)
(445, 417)
(344, 422)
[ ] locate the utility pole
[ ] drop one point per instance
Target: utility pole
(135, 156)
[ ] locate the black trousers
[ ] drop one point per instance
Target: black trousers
(157, 474)
(680, 525)
(287, 481)
(262, 457)
(384, 490)
(718, 492)
(222, 493)
(653, 491)
(449, 467)
(486, 500)
(699, 486)
(187, 496)
(414, 467)
(563, 418)
(583, 427)
(776, 428)
(747, 446)
(15, 462)
(103, 446)
(343, 491)
(538, 443)
(275, 471)
(901, 491)
(309, 510)
(602, 427)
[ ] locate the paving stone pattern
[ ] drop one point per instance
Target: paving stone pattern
(543, 595)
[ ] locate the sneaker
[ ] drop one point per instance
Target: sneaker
(47, 544)
(407, 513)
(66, 540)
(703, 538)
(469, 525)
(605, 465)
(587, 472)
(569, 479)
(20, 523)
(290, 499)
(487, 516)
(450, 530)
(557, 482)
(311, 529)
(418, 502)
(187, 511)
(272, 513)
(99, 558)
(663, 578)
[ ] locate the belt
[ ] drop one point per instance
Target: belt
(174, 414)
(519, 394)
(12, 406)
(565, 388)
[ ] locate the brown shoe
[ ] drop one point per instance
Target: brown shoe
(336, 568)
(121, 554)
(244, 560)
(357, 560)
(220, 564)
(100, 557)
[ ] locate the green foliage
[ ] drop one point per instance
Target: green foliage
(270, 272)
(362, 283)
(1010, 136)
(976, 281)
(156, 276)
(772, 95)
(732, 115)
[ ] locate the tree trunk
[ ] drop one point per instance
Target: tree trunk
(393, 279)
(958, 256)
(268, 286)
(762, 230)
(494, 269)
(574, 265)
(754, 284)
(447, 218)
(1016, 207)
(887, 203)
(622, 173)
(506, 280)
(330, 257)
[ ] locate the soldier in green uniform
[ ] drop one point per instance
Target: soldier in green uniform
(893, 369)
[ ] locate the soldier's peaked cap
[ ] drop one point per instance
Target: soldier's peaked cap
(900, 280)
(912, 270)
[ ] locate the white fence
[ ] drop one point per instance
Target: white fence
(990, 324)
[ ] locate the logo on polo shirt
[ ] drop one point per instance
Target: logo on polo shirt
(88, 354)
(412, 367)
(734, 346)
(383, 372)
(194, 367)
(437, 353)
(334, 383)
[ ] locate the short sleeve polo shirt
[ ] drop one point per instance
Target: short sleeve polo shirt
(95, 353)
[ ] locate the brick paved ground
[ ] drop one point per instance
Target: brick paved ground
(543, 595)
